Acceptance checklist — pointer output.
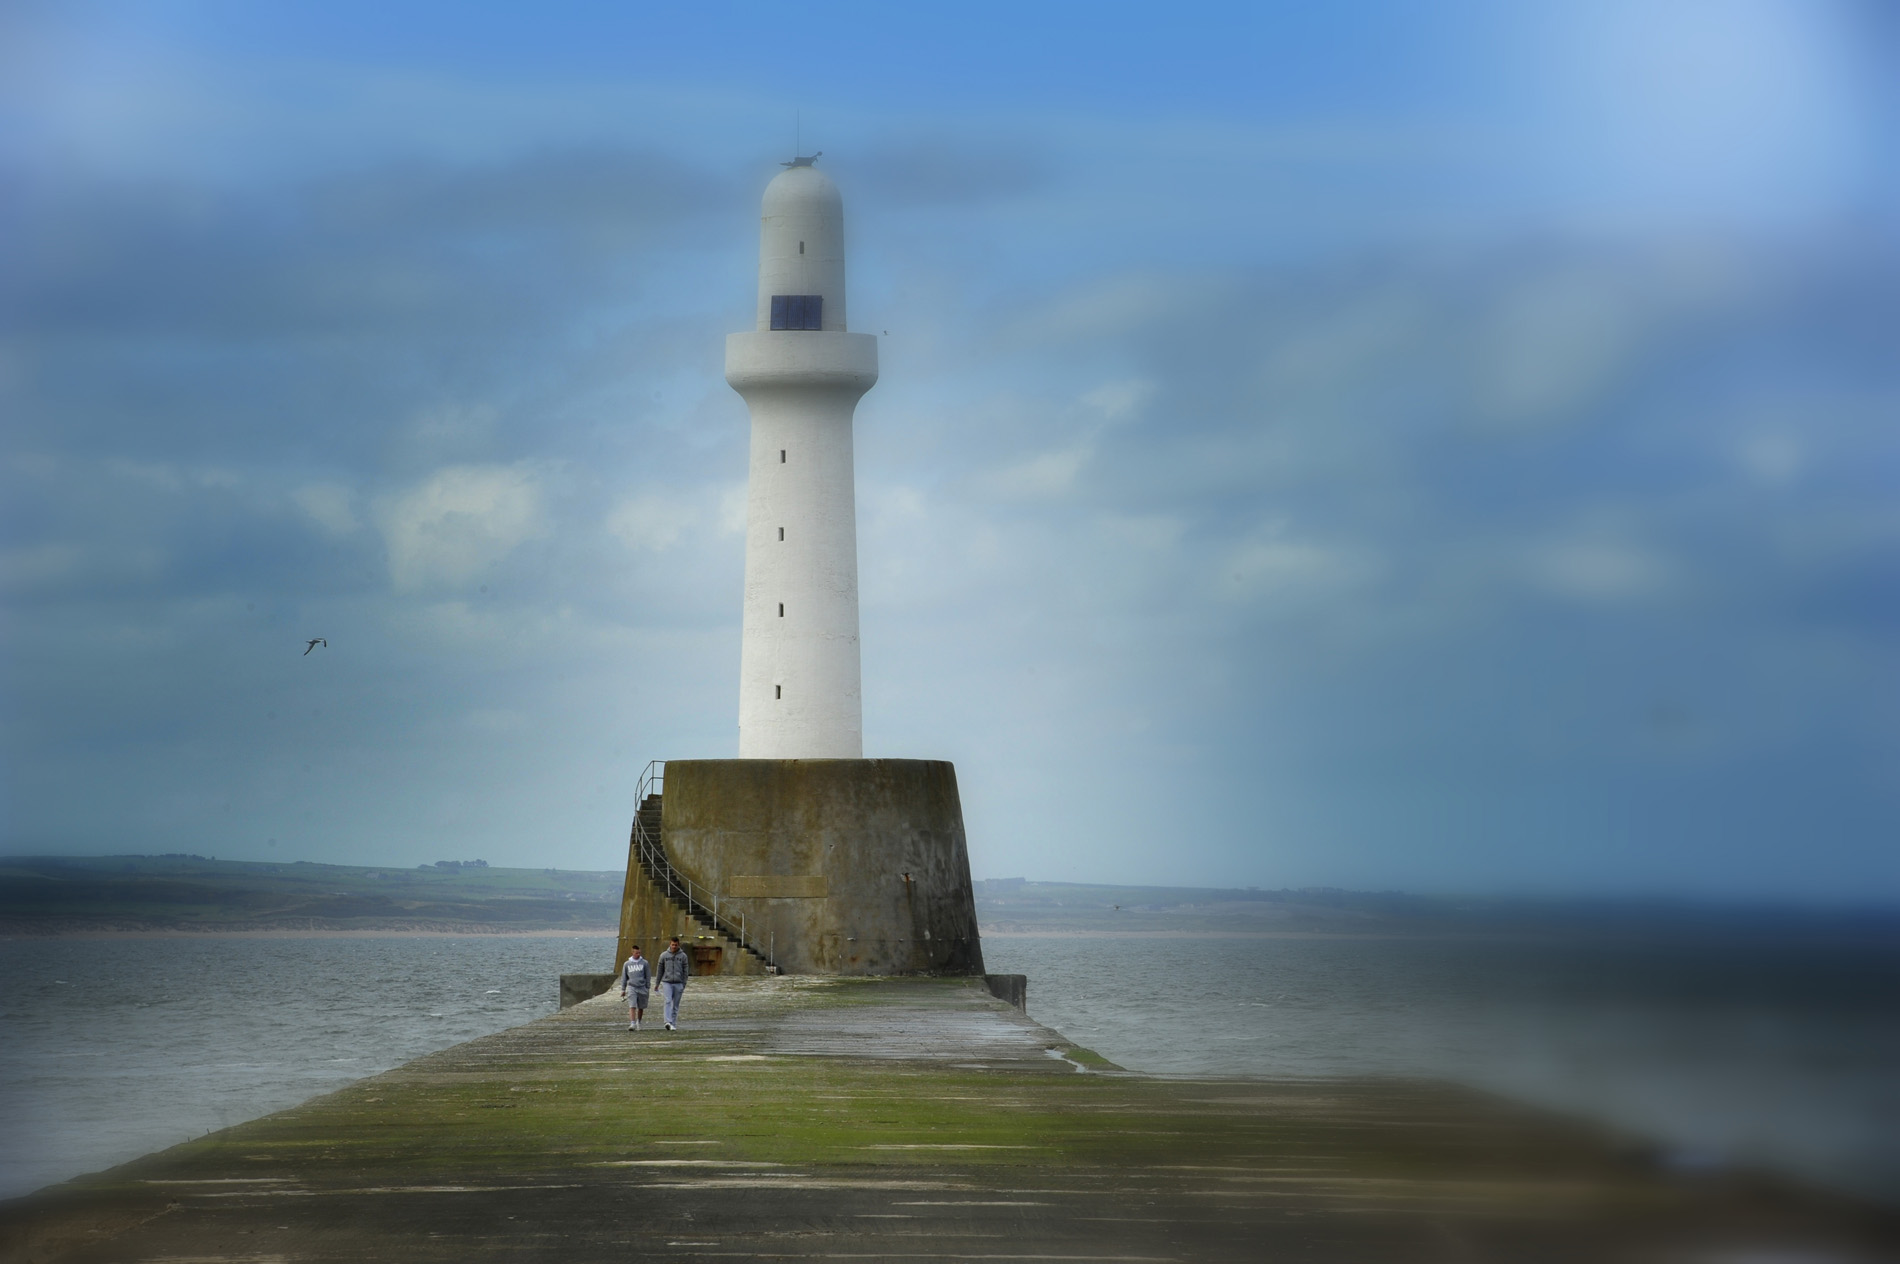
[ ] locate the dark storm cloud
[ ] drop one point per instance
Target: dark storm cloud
(321, 309)
(1421, 546)
(1705, 398)
(411, 247)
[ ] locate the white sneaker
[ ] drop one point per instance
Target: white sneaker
(669, 1026)
(636, 1024)
(633, 1027)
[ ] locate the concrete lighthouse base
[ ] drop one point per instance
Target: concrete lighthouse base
(832, 866)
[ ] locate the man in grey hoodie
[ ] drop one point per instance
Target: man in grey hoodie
(673, 970)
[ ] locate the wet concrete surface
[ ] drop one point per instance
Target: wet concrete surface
(900, 1119)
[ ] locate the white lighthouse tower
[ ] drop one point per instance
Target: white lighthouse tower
(801, 375)
(801, 855)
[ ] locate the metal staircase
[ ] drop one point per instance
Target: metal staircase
(682, 892)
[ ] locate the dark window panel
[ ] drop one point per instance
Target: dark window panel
(798, 311)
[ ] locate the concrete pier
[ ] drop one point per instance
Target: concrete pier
(814, 1118)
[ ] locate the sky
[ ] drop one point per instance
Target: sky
(1448, 447)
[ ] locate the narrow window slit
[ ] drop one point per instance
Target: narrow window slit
(778, 691)
(781, 610)
(781, 456)
(781, 533)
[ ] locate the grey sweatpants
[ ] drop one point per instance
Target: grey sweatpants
(672, 992)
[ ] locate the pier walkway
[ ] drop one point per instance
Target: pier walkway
(901, 1119)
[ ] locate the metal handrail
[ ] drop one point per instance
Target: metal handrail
(652, 853)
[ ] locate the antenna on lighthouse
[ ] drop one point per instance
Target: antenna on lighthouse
(798, 143)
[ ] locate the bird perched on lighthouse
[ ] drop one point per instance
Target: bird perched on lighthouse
(801, 374)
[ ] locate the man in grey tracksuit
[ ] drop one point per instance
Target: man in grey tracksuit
(673, 970)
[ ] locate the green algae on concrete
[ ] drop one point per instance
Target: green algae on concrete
(921, 1119)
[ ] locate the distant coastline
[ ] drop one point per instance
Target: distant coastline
(400, 931)
(146, 896)
(1035, 932)
(200, 895)
(89, 931)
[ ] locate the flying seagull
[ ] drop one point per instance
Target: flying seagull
(314, 642)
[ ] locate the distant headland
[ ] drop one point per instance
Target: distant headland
(65, 895)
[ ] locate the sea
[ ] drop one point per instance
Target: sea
(1744, 1051)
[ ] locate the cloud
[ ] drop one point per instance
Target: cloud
(1045, 476)
(1553, 341)
(329, 505)
(732, 509)
(1769, 457)
(1120, 401)
(929, 171)
(1052, 474)
(1597, 570)
(39, 565)
(652, 521)
(446, 530)
(1103, 308)
(175, 479)
(1271, 565)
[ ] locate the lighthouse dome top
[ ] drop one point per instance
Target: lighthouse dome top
(801, 252)
(802, 189)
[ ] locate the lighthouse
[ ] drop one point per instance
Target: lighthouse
(801, 373)
(801, 856)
